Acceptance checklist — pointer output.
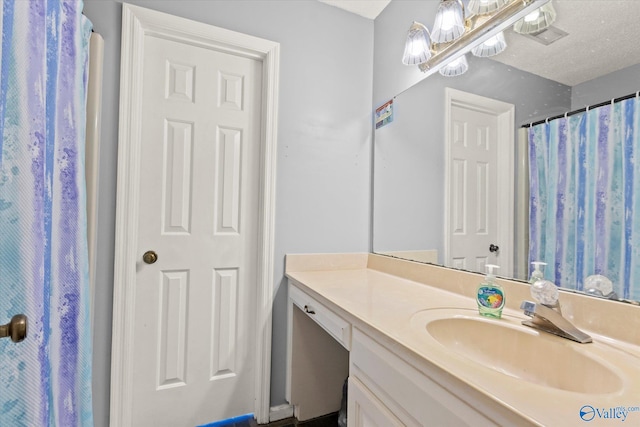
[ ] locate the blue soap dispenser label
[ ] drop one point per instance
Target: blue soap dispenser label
(490, 297)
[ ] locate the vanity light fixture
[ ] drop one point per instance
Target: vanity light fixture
(491, 47)
(454, 34)
(449, 23)
(417, 49)
(538, 20)
(481, 7)
(457, 67)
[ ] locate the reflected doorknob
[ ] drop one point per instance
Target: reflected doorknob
(16, 329)
(493, 248)
(150, 257)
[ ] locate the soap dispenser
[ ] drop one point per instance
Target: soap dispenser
(490, 295)
(538, 271)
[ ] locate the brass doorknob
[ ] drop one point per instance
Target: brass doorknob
(150, 257)
(16, 329)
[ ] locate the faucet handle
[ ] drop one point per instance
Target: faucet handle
(528, 307)
(545, 291)
(600, 286)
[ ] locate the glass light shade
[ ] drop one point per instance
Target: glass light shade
(449, 24)
(536, 21)
(417, 49)
(491, 47)
(456, 67)
(481, 7)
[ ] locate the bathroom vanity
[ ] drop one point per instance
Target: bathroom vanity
(417, 353)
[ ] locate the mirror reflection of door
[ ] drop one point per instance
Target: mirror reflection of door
(472, 190)
(478, 158)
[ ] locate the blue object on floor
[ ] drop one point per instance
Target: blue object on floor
(229, 421)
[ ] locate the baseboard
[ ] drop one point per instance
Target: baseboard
(280, 412)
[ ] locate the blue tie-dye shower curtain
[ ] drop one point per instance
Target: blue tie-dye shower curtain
(46, 379)
(584, 214)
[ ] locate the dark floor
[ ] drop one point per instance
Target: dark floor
(330, 420)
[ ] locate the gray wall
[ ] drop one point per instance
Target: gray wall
(613, 85)
(409, 152)
(324, 143)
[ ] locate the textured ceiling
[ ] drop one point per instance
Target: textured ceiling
(604, 36)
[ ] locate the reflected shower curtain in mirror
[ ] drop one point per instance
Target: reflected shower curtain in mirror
(46, 379)
(584, 213)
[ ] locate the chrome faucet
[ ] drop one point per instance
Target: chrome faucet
(548, 318)
(546, 314)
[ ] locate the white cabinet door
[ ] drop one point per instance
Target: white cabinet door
(365, 410)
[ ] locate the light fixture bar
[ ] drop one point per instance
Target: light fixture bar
(481, 30)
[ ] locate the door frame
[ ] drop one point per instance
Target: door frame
(505, 114)
(137, 23)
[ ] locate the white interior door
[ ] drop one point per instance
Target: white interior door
(198, 213)
(191, 338)
(479, 138)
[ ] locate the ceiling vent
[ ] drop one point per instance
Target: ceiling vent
(547, 36)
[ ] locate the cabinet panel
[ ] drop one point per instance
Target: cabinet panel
(365, 410)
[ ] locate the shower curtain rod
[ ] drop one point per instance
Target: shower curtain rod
(580, 110)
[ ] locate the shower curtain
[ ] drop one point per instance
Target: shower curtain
(584, 215)
(46, 379)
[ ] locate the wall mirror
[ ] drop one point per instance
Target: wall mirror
(590, 55)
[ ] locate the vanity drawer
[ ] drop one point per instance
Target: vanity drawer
(335, 325)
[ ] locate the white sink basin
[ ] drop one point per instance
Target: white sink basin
(518, 351)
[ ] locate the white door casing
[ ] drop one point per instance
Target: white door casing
(479, 196)
(139, 27)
